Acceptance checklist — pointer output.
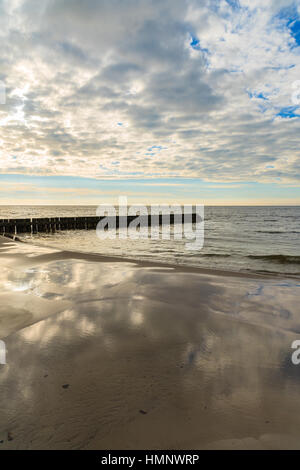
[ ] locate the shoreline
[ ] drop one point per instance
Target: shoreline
(144, 263)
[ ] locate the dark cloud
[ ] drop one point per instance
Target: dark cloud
(103, 80)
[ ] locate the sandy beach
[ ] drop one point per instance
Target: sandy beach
(110, 354)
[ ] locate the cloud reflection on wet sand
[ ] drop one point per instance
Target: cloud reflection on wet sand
(117, 355)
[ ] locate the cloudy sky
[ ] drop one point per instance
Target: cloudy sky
(159, 100)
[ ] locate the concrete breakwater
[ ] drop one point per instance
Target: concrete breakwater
(54, 224)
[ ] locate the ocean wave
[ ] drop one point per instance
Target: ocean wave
(274, 231)
(216, 254)
(283, 259)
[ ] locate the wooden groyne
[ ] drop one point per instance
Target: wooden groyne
(55, 224)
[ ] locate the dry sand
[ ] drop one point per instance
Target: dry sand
(107, 354)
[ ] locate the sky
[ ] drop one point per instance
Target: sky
(167, 101)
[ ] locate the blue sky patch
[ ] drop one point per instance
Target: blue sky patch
(289, 112)
(156, 147)
(255, 94)
(235, 4)
(290, 18)
(295, 29)
(195, 43)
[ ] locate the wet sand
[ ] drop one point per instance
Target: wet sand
(109, 354)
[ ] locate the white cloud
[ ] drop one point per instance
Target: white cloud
(92, 85)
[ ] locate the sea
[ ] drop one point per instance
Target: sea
(250, 239)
